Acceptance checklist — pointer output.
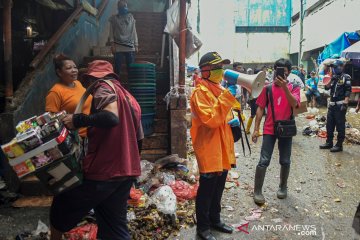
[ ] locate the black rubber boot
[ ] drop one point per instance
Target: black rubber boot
(206, 235)
(284, 174)
(337, 148)
(327, 145)
(259, 181)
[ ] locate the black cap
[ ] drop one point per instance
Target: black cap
(212, 58)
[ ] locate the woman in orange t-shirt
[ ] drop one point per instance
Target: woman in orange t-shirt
(66, 94)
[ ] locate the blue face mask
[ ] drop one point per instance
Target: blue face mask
(123, 10)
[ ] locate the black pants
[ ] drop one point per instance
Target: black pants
(208, 199)
(335, 118)
(356, 221)
(253, 107)
(108, 199)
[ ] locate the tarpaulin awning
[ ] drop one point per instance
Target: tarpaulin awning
(337, 46)
(352, 52)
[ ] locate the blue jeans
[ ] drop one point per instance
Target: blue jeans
(118, 58)
(267, 148)
(314, 93)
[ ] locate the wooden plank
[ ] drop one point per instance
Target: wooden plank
(153, 154)
(156, 141)
(43, 201)
(161, 126)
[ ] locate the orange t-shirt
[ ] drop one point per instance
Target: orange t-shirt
(61, 97)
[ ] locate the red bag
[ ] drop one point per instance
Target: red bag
(84, 232)
(183, 190)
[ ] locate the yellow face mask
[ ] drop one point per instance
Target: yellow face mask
(216, 75)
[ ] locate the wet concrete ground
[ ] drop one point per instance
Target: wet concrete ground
(324, 191)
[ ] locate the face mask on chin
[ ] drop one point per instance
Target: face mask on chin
(216, 75)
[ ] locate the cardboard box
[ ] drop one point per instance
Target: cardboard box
(303, 104)
(42, 148)
(24, 168)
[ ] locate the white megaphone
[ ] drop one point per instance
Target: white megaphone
(253, 83)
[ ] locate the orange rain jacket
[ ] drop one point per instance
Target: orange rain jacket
(211, 134)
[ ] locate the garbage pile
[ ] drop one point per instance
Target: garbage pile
(317, 127)
(162, 201)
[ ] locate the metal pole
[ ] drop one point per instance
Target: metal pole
(301, 29)
(182, 45)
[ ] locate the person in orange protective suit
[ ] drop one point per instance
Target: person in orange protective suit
(213, 142)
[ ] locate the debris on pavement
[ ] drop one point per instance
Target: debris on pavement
(229, 208)
(255, 214)
(337, 200)
(233, 174)
(277, 220)
(41, 229)
(317, 127)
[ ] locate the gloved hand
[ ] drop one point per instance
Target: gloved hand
(234, 123)
(344, 107)
(232, 89)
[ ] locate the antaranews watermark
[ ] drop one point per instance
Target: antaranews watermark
(302, 230)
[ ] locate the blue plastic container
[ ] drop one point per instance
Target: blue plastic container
(147, 121)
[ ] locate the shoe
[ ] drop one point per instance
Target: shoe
(336, 148)
(327, 145)
(284, 174)
(222, 227)
(259, 181)
(206, 235)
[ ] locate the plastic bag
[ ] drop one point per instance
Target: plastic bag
(165, 200)
(146, 168)
(193, 42)
(41, 228)
(183, 190)
(84, 232)
(173, 19)
(137, 198)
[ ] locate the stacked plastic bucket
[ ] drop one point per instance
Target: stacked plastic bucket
(142, 84)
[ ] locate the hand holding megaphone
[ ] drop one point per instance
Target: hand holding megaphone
(253, 83)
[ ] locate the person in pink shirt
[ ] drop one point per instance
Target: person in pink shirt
(286, 97)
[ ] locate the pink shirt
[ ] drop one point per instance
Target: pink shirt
(282, 107)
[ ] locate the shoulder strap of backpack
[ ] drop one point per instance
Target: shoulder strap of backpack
(270, 97)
